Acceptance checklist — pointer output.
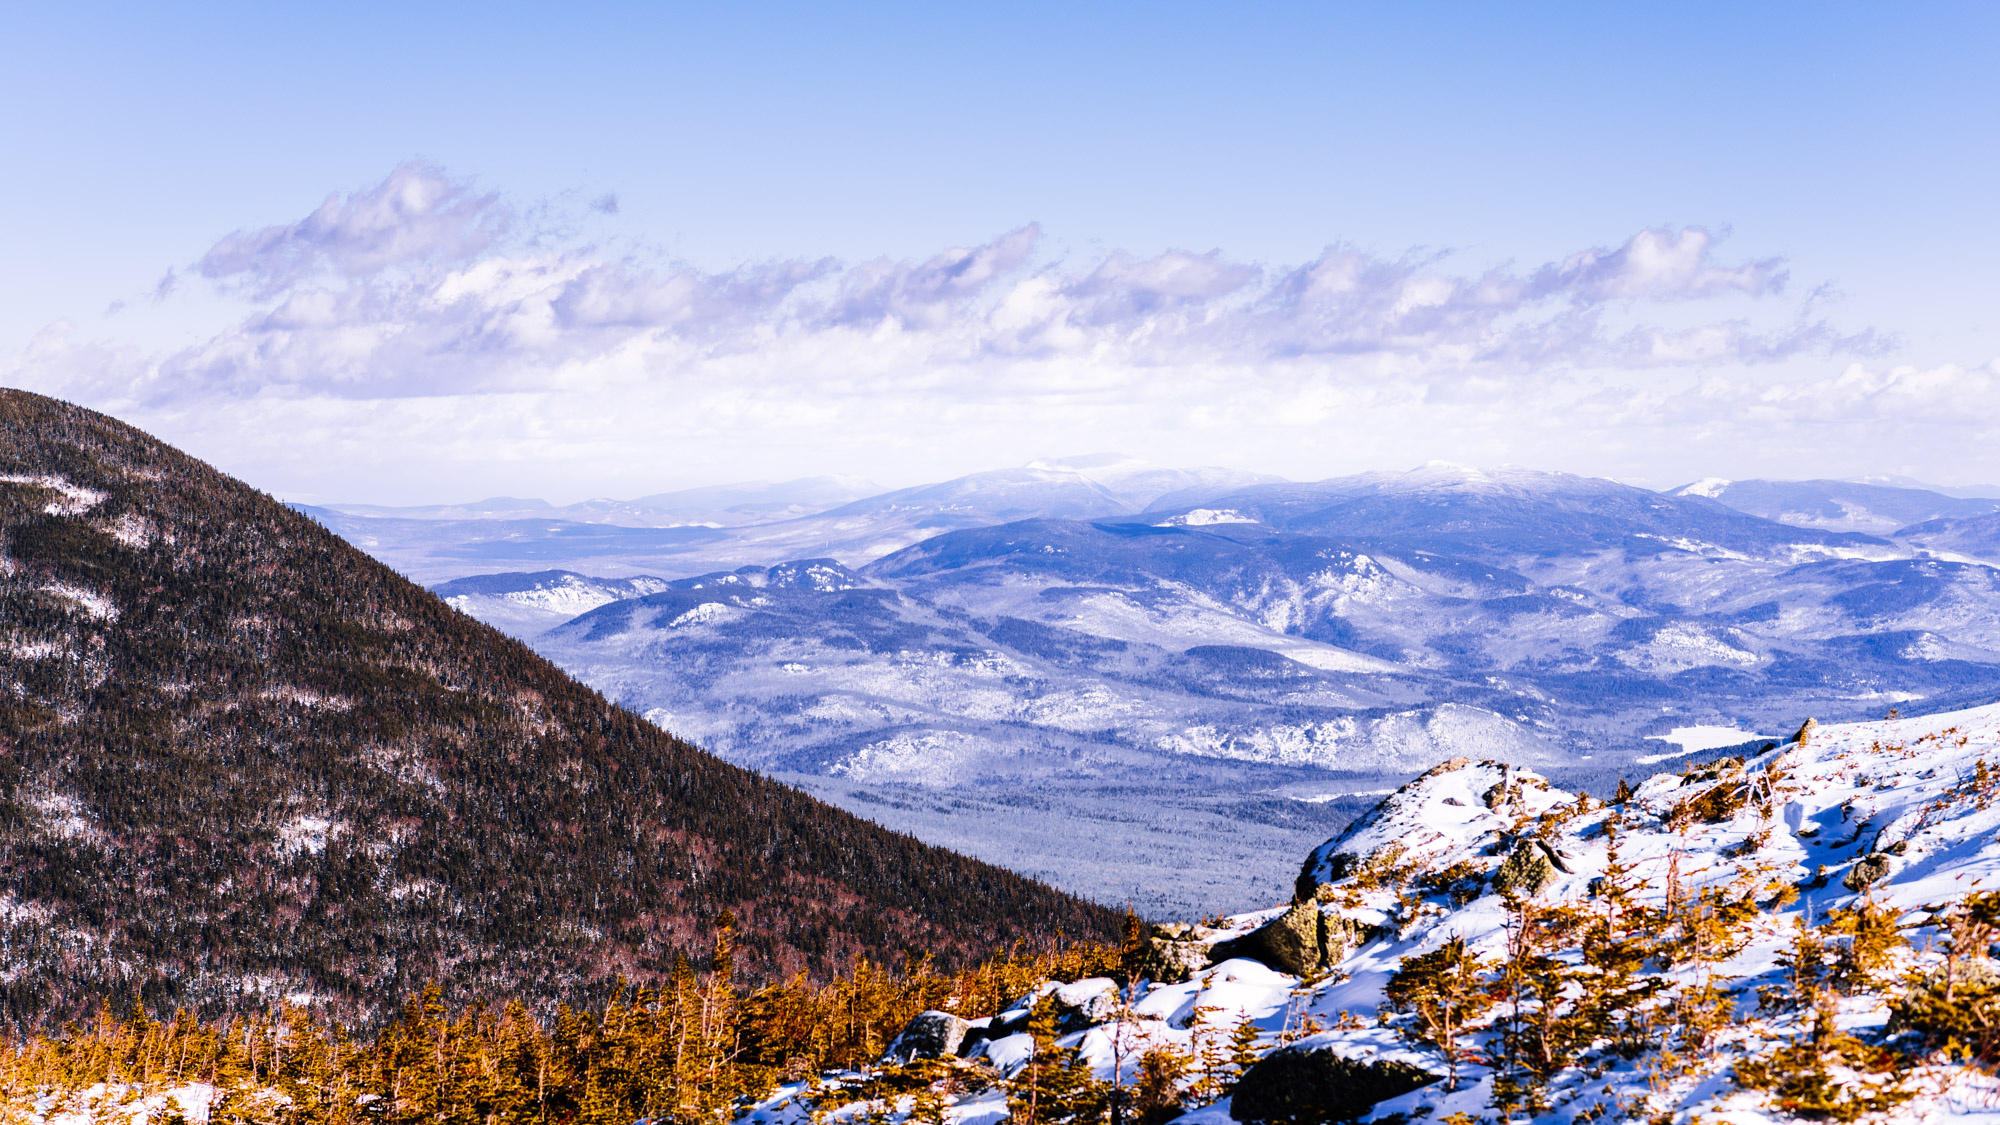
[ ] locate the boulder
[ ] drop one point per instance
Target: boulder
(931, 1035)
(1526, 871)
(1086, 1003)
(1866, 870)
(1170, 961)
(1290, 943)
(1304, 1085)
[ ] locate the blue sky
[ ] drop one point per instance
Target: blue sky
(643, 247)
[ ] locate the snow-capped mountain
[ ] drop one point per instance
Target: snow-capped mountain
(1512, 611)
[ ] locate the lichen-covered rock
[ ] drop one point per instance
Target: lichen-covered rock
(931, 1035)
(1340, 936)
(1290, 943)
(1086, 1003)
(1525, 871)
(1171, 962)
(1302, 1085)
(1868, 869)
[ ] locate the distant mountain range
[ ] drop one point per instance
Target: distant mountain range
(726, 505)
(1222, 651)
(1840, 505)
(500, 535)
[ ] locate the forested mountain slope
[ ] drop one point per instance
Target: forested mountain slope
(240, 760)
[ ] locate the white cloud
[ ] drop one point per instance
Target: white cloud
(418, 214)
(405, 288)
(927, 292)
(420, 326)
(1660, 265)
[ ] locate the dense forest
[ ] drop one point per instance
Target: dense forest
(242, 762)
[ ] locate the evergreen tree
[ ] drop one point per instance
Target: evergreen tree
(1156, 1093)
(1444, 993)
(1056, 1085)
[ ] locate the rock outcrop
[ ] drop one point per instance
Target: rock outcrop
(1175, 952)
(1457, 797)
(1306, 1085)
(1289, 943)
(930, 1035)
(1303, 941)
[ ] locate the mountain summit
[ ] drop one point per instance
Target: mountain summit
(241, 760)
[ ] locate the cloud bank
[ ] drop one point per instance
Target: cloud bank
(459, 332)
(418, 215)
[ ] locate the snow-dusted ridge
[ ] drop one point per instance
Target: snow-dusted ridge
(1896, 821)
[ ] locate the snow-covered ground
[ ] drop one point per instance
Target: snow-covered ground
(1900, 799)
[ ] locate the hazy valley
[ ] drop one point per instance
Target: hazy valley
(1152, 685)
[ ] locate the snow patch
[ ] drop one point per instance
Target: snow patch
(1206, 517)
(286, 693)
(1401, 740)
(21, 649)
(703, 614)
(133, 530)
(62, 814)
(71, 499)
(921, 756)
(308, 834)
(96, 605)
(571, 595)
(1678, 648)
(1692, 739)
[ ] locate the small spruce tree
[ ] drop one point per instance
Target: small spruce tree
(1443, 992)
